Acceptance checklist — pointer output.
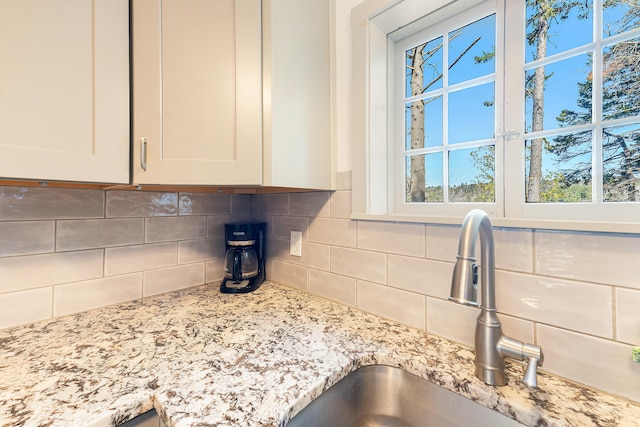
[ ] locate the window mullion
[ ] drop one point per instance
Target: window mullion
(445, 117)
(596, 102)
(514, 96)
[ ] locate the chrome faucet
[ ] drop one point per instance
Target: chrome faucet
(492, 346)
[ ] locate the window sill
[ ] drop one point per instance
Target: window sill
(585, 226)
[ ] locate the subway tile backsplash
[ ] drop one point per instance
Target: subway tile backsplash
(64, 251)
(602, 258)
(140, 204)
(401, 306)
(26, 237)
(173, 228)
(129, 259)
(628, 312)
(78, 234)
(37, 271)
(361, 264)
(397, 238)
(33, 203)
(80, 296)
(159, 281)
(578, 306)
(25, 306)
(576, 294)
(333, 231)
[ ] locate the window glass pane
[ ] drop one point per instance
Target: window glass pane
(472, 50)
(558, 169)
(555, 26)
(619, 16)
(621, 161)
(434, 176)
(621, 79)
(423, 123)
(472, 114)
(558, 94)
(424, 68)
(472, 175)
(423, 178)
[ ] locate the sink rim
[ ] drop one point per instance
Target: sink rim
(463, 392)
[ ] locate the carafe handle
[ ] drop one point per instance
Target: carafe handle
(237, 267)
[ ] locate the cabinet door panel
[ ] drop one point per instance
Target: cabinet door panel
(200, 56)
(197, 83)
(64, 90)
(296, 51)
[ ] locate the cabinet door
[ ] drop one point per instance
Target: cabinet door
(64, 90)
(197, 92)
(298, 150)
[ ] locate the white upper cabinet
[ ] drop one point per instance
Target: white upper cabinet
(232, 92)
(64, 90)
(298, 143)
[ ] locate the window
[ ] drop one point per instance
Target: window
(579, 72)
(448, 99)
(528, 109)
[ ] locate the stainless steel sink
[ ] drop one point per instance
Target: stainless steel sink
(381, 395)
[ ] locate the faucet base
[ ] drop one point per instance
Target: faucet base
(490, 367)
(490, 375)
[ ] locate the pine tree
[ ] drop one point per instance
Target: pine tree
(620, 99)
(547, 12)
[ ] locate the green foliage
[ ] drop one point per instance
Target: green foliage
(485, 57)
(434, 194)
(463, 193)
(477, 192)
(618, 188)
(556, 188)
(484, 160)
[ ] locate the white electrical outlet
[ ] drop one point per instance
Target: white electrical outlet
(295, 248)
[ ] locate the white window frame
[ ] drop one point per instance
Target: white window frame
(516, 207)
(376, 26)
(396, 52)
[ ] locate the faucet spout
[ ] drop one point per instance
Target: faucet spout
(492, 346)
(464, 284)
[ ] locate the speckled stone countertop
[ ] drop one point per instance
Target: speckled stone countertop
(202, 358)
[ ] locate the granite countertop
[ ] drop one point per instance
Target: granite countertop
(204, 358)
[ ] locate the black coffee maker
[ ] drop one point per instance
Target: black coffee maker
(244, 260)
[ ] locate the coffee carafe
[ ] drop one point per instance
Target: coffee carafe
(244, 259)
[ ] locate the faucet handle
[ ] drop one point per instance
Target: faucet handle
(531, 376)
(535, 358)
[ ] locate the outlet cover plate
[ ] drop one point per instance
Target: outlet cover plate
(295, 247)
